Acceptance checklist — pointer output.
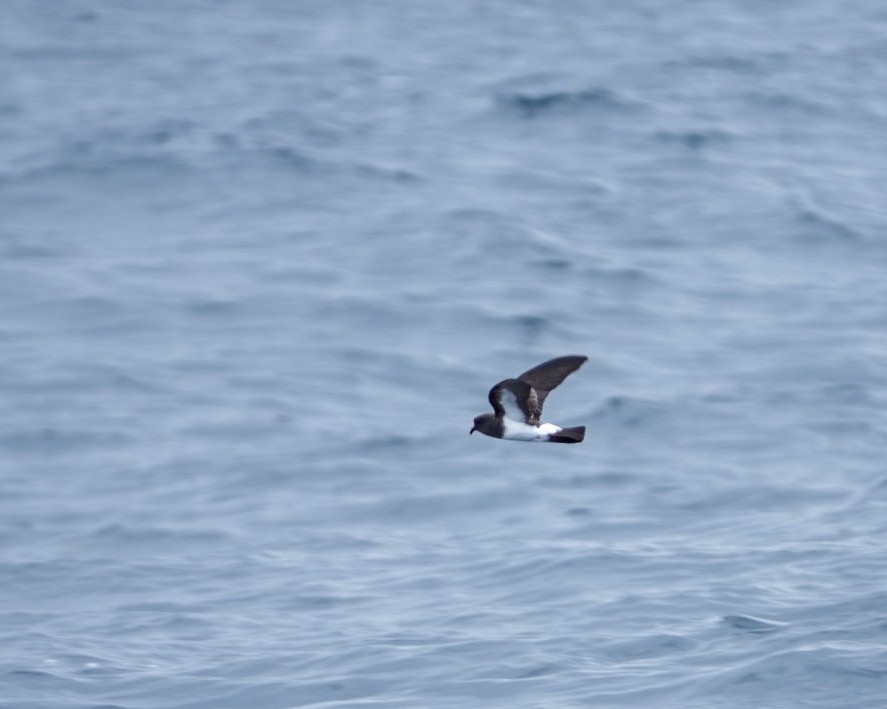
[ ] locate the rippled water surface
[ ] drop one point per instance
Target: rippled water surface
(260, 263)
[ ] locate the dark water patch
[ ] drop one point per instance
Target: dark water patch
(471, 218)
(165, 132)
(583, 194)
(527, 328)
(815, 225)
(431, 507)
(10, 108)
(119, 143)
(482, 236)
(751, 624)
(553, 264)
(290, 127)
(853, 394)
(13, 248)
(749, 64)
(793, 105)
(294, 159)
(319, 602)
(694, 140)
(536, 104)
(120, 140)
(635, 280)
(387, 442)
(844, 676)
(36, 674)
(538, 671)
(182, 626)
(53, 53)
(521, 574)
(161, 146)
(86, 17)
(45, 681)
(861, 609)
(159, 607)
(649, 646)
(57, 441)
(57, 170)
(215, 307)
(385, 173)
(875, 493)
(101, 311)
(227, 141)
(579, 481)
(750, 498)
(81, 378)
(532, 327)
(89, 378)
(150, 536)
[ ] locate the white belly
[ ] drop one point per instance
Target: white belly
(520, 431)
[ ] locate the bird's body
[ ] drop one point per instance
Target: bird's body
(517, 405)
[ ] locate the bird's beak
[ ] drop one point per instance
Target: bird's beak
(473, 429)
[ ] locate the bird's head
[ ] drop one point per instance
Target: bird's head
(482, 423)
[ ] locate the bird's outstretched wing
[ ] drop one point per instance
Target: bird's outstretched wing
(516, 400)
(546, 376)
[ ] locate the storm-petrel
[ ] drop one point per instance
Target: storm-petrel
(517, 404)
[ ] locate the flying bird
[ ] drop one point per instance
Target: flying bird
(517, 405)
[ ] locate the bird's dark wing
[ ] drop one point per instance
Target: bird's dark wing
(548, 375)
(516, 400)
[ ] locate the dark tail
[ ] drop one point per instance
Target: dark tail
(568, 435)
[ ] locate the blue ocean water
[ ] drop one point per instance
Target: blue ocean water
(260, 263)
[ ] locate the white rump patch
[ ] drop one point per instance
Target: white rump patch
(520, 431)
